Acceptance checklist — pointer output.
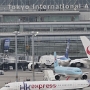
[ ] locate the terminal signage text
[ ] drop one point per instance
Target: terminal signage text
(48, 7)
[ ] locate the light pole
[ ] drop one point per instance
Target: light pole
(16, 33)
(33, 34)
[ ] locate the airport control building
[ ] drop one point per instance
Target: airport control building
(55, 20)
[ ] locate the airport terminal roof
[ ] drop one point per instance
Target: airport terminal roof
(47, 23)
(40, 12)
(62, 33)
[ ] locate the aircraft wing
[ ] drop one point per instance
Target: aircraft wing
(61, 74)
(85, 73)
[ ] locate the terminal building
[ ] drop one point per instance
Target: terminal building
(55, 20)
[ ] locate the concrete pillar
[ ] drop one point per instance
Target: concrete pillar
(51, 29)
(1, 18)
(85, 28)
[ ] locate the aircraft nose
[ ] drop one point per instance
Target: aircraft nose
(3, 88)
(80, 73)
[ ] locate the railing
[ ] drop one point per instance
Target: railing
(48, 33)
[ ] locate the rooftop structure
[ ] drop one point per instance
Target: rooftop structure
(55, 20)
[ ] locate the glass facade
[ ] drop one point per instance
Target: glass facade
(28, 2)
(44, 5)
(45, 45)
(45, 16)
(46, 27)
(39, 18)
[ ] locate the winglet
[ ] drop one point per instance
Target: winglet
(67, 48)
(86, 44)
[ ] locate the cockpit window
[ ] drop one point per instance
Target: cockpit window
(7, 85)
(78, 71)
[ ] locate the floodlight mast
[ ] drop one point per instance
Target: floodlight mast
(16, 66)
(33, 34)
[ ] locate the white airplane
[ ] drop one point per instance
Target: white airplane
(86, 44)
(83, 62)
(48, 85)
(67, 71)
(48, 60)
(80, 62)
(64, 60)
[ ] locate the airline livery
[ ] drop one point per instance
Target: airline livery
(63, 60)
(47, 85)
(68, 71)
(86, 44)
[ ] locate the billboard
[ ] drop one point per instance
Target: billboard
(6, 44)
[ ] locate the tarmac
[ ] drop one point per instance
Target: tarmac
(10, 76)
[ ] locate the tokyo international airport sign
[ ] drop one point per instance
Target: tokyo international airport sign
(48, 7)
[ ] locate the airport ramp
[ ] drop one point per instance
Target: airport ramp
(49, 75)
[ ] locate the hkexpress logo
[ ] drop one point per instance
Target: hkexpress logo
(39, 86)
(25, 87)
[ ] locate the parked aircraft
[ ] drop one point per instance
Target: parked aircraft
(83, 62)
(67, 71)
(64, 60)
(86, 44)
(47, 85)
(48, 60)
(80, 62)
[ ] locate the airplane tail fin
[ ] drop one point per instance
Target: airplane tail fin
(86, 44)
(55, 60)
(67, 48)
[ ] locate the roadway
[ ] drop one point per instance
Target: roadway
(9, 76)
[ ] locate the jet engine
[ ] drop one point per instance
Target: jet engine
(30, 66)
(84, 77)
(57, 77)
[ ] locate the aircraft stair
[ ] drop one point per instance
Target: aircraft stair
(49, 75)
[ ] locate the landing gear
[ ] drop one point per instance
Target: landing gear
(76, 78)
(24, 68)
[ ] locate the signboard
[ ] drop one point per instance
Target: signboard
(47, 7)
(6, 44)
